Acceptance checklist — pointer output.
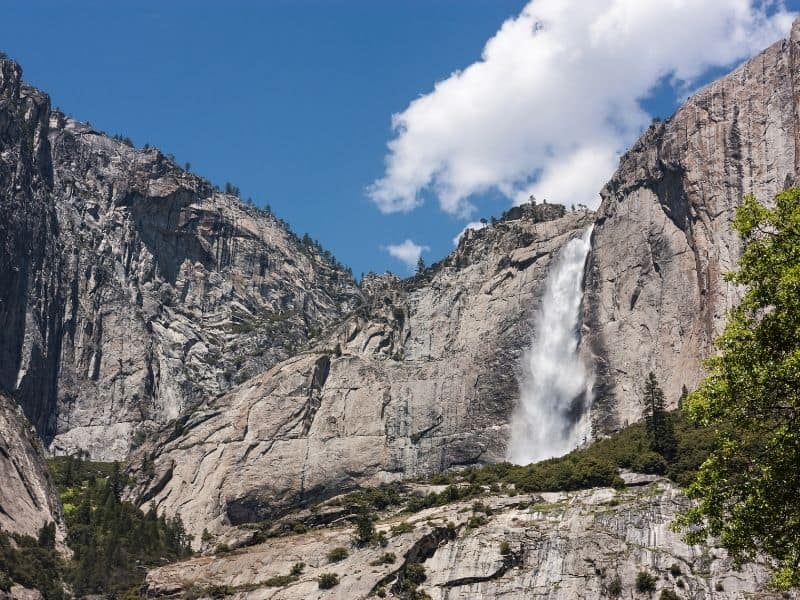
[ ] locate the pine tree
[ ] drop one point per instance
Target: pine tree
(420, 265)
(658, 422)
(47, 535)
(684, 395)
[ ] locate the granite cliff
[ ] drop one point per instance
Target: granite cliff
(656, 297)
(132, 289)
(28, 500)
(420, 379)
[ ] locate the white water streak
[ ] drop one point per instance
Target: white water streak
(552, 417)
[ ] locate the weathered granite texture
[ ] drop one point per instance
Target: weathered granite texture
(560, 546)
(28, 499)
(422, 378)
(131, 289)
(31, 258)
(655, 291)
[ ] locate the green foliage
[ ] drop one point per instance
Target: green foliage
(675, 570)
(645, 582)
(402, 527)
(595, 465)
(328, 580)
(26, 562)
(379, 498)
(505, 548)
(452, 493)
(669, 595)
(222, 549)
(337, 554)
(660, 431)
(614, 587)
(297, 569)
(279, 580)
(111, 539)
(476, 521)
(388, 558)
(747, 489)
(409, 579)
(365, 530)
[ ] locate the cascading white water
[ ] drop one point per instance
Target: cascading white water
(551, 417)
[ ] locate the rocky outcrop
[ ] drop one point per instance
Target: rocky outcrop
(31, 290)
(28, 499)
(178, 292)
(421, 379)
(131, 289)
(591, 544)
(656, 295)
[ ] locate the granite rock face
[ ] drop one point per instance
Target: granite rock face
(131, 289)
(31, 290)
(179, 292)
(28, 499)
(420, 379)
(656, 297)
(560, 546)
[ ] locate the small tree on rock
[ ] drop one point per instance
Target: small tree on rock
(659, 425)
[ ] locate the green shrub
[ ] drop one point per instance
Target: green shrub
(415, 573)
(387, 558)
(5, 582)
(475, 522)
(719, 587)
(650, 463)
(379, 498)
(675, 570)
(279, 581)
(614, 587)
(403, 527)
(297, 569)
(645, 582)
(219, 591)
(222, 549)
(337, 554)
(505, 548)
(328, 580)
(365, 530)
(669, 595)
(299, 527)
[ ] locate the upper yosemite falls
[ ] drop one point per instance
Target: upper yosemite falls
(285, 430)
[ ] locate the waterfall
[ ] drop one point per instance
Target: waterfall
(555, 390)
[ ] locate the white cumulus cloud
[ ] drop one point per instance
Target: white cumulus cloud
(555, 97)
(408, 252)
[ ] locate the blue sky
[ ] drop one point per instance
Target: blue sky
(291, 100)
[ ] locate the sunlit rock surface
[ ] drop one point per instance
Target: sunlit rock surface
(130, 289)
(421, 379)
(656, 295)
(28, 498)
(560, 546)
